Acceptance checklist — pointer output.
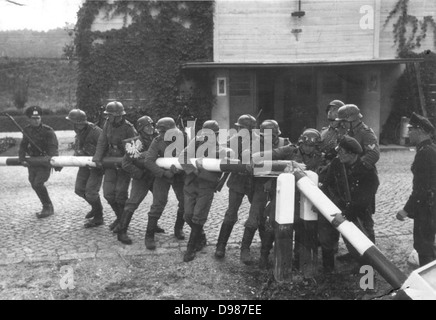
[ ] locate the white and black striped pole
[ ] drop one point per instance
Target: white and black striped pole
(349, 230)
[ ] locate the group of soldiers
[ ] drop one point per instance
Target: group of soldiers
(343, 154)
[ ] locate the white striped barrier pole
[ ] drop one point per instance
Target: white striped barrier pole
(307, 233)
(357, 238)
(61, 161)
(283, 226)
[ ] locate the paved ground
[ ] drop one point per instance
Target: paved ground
(62, 236)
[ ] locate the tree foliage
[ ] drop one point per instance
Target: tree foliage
(145, 54)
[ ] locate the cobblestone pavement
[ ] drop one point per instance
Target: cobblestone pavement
(24, 238)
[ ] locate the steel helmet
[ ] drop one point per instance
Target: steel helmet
(349, 112)
(115, 108)
(77, 116)
(143, 122)
(332, 109)
(247, 121)
(271, 124)
(212, 125)
(164, 124)
(310, 137)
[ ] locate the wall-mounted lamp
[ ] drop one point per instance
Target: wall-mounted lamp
(298, 13)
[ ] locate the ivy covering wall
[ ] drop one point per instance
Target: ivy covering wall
(146, 53)
(409, 32)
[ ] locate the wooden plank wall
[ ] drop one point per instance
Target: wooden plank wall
(261, 31)
(418, 8)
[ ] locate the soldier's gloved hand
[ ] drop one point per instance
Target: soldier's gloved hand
(174, 169)
(58, 169)
(98, 164)
(402, 214)
(24, 163)
(168, 174)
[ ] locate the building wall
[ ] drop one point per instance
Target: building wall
(261, 31)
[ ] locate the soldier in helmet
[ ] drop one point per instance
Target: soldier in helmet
(329, 134)
(110, 144)
(200, 184)
(240, 185)
(350, 123)
(307, 153)
(269, 138)
(164, 179)
(88, 180)
(142, 179)
(39, 140)
(421, 205)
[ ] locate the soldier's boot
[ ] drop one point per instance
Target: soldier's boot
(91, 213)
(97, 220)
(247, 239)
(223, 238)
(124, 225)
(178, 226)
(192, 243)
(47, 206)
(328, 260)
(115, 207)
(201, 241)
(150, 244)
(120, 213)
(47, 210)
(266, 246)
(159, 230)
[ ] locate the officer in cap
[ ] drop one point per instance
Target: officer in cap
(168, 135)
(351, 186)
(110, 144)
(421, 205)
(88, 180)
(39, 140)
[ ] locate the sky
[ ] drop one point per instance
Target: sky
(39, 15)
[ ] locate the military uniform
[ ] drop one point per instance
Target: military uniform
(133, 163)
(312, 162)
(421, 205)
(88, 180)
(45, 138)
(363, 184)
(161, 184)
(116, 180)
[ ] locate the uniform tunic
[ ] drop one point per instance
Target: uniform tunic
(421, 205)
(110, 144)
(45, 138)
(199, 189)
(363, 183)
(88, 180)
(133, 163)
(161, 184)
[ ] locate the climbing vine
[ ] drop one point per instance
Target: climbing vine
(409, 32)
(146, 54)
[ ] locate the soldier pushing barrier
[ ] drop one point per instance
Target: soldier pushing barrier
(39, 140)
(88, 180)
(142, 179)
(110, 144)
(164, 179)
